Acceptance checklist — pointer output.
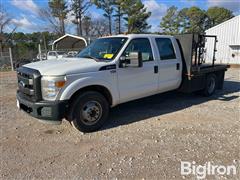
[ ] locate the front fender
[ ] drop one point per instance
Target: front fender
(88, 81)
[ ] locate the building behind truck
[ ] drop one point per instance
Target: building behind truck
(228, 42)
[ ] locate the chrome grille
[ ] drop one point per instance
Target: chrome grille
(29, 84)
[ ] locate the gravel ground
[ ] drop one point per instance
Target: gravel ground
(144, 139)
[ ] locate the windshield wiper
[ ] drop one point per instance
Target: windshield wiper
(91, 57)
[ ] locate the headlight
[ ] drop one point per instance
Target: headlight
(51, 85)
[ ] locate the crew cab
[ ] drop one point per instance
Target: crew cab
(113, 70)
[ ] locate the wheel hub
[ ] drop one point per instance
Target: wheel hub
(91, 112)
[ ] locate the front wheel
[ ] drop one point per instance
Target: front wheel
(90, 111)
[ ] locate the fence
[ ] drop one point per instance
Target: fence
(6, 61)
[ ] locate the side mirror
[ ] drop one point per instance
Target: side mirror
(133, 60)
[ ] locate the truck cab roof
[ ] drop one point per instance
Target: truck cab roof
(139, 36)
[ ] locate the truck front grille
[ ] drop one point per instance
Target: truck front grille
(29, 83)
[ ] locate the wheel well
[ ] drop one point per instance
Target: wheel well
(101, 89)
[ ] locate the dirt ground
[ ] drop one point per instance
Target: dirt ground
(143, 139)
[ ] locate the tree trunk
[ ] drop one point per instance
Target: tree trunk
(80, 18)
(119, 20)
(110, 24)
(80, 25)
(119, 25)
(62, 27)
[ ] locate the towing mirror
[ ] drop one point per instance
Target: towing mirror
(133, 60)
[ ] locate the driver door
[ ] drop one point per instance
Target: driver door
(136, 82)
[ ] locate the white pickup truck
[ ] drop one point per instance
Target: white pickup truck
(113, 70)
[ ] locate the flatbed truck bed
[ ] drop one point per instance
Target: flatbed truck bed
(195, 70)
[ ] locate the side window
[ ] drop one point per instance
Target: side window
(141, 45)
(165, 48)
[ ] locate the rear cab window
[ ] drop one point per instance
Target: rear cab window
(165, 48)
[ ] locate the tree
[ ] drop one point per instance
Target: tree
(183, 20)
(99, 27)
(118, 16)
(59, 10)
(136, 16)
(107, 7)
(79, 8)
(4, 19)
(87, 24)
(193, 20)
(197, 19)
(170, 22)
(50, 22)
(218, 15)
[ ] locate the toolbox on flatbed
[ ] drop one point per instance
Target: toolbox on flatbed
(195, 70)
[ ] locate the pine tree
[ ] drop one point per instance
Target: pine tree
(107, 7)
(136, 16)
(217, 15)
(197, 20)
(59, 10)
(170, 22)
(79, 8)
(86, 25)
(118, 16)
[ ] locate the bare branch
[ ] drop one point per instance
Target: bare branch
(5, 18)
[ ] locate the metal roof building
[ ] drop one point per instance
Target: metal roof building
(228, 45)
(70, 42)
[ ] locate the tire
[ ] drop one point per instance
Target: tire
(89, 111)
(210, 85)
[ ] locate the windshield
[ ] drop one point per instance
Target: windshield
(103, 49)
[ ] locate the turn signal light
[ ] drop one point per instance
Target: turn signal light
(60, 84)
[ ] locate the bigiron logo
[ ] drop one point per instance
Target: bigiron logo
(201, 171)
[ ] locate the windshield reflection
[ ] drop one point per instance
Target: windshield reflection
(103, 48)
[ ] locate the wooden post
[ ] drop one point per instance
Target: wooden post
(39, 51)
(11, 60)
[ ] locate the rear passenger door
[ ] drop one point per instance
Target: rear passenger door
(170, 65)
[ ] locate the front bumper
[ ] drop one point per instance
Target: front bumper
(50, 112)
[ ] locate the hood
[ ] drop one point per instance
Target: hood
(66, 66)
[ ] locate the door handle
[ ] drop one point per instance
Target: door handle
(155, 69)
(178, 66)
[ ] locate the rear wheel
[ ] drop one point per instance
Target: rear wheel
(89, 111)
(210, 85)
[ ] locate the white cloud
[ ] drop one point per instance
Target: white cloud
(232, 5)
(27, 5)
(158, 10)
(24, 23)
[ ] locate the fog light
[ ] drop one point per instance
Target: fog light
(46, 111)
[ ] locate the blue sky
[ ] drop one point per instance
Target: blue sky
(24, 13)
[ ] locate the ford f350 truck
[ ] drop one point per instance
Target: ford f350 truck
(113, 70)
